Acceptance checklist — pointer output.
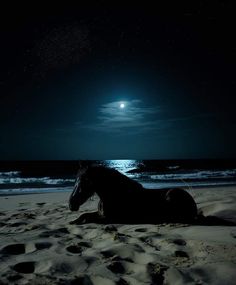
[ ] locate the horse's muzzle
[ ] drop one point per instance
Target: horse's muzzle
(73, 206)
(73, 202)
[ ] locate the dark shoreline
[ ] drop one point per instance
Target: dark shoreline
(67, 190)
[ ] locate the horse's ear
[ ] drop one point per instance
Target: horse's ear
(81, 170)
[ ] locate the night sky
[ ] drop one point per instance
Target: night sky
(124, 82)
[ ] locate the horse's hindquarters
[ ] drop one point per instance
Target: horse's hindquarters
(180, 205)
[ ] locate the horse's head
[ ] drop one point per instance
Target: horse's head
(83, 190)
(108, 183)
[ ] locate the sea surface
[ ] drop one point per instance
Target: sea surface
(21, 177)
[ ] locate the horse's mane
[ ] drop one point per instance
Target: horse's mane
(106, 175)
(112, 179)
(83, 167)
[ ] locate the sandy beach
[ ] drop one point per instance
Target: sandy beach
(38, 245)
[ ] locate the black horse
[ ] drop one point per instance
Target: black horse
(123, 200)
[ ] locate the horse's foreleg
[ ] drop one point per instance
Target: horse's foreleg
(91, 217)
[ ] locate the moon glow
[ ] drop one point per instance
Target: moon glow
(122, 105)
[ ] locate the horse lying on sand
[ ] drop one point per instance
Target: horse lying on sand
(123, 200)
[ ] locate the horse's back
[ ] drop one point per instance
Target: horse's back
(154, 206)
(162, 205)
(181, 205)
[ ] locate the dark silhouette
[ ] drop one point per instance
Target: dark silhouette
(123, 200)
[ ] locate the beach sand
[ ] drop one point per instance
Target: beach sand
(39, 246)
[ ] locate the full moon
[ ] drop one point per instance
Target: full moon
(122, 105)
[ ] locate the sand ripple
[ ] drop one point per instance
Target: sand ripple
(38, 245)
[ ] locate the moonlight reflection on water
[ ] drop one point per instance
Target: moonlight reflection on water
(122, 165)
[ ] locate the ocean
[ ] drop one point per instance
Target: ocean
(22, 177)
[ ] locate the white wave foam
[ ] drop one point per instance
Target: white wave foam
(205, 174)
(32, 180)
(9, 174)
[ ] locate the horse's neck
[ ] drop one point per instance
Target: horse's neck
(102, 193)
(107, 191)
(111, 192)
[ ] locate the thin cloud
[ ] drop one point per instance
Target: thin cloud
(135, 118)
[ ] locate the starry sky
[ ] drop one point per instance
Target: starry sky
(65, 71)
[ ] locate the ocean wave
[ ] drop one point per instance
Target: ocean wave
(197, 175)
(34, 181)
(6, 174)
(147, 173)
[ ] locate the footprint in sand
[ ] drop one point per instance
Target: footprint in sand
(110, 228)
(24, 267)
(85, 244)
(79, 247)
(180, 253)
(54, 233)
(116, 267)
(81, 280)
(179, 242)
(20, 248)
(42, 245)
(108, 254)
(75, 249)
(13, 249)
(121, 237)
(40, 204)
(29, 267)
(156, 272)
